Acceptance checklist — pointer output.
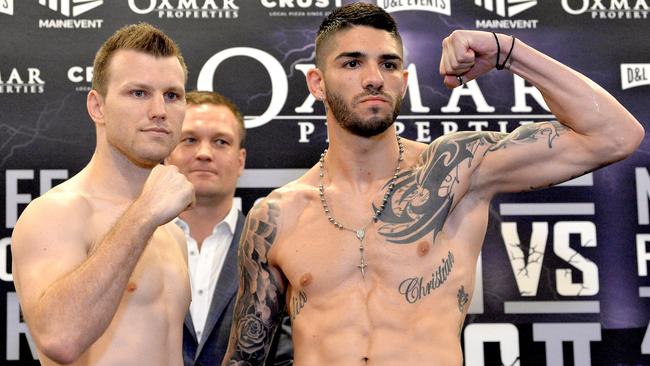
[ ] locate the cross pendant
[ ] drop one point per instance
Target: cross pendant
(361, 233)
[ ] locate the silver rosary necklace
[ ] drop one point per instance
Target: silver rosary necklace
(361, 232)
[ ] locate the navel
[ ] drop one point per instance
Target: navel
(305, 279)
(131, 287)
(423, 248)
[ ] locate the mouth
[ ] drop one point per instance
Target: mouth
(157, 130)
(204, 171)
(373, 99)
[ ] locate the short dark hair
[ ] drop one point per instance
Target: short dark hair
(142, 37)
(197, 97)
(357, 14)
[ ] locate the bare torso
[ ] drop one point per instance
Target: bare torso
(147, 327)
(410, 306)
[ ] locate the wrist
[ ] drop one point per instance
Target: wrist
(505, 45)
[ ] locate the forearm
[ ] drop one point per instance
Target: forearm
(252, 333)
(260, 303)
(576, 101)
(75, 310)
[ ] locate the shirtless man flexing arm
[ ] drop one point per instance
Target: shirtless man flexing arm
(374, 249)
(100, 272)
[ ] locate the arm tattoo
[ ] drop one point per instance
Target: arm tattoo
(424, 196)
(531, 133)
(258, 309)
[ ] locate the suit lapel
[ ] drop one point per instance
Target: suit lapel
(227, 285)
(189, 324)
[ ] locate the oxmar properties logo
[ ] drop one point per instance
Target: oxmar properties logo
(608, 9)
(187, 9)
(70, 8)
(7, 7)
(506, 9)
(436, 6)
(21, 81)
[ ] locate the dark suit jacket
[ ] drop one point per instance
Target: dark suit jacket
(216, 333)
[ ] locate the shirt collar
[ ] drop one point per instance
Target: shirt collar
(230, 222)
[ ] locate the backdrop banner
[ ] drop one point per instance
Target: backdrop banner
(563, 276)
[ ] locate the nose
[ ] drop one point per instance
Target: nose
(158, 108)
(204, 151)
(373, 80)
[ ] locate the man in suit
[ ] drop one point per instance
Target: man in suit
(211, 155)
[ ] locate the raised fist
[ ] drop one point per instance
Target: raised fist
(165, 194)
(470, 54)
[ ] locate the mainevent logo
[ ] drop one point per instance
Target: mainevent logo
(76, 6)
(187, 9)
(608, 9)
(22, 82)
(71, 8)
(436, 6)
(506, 8)
(633, 75)
(7, 7)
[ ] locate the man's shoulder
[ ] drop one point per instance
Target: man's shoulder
(284, 204)
(62, 202)
(295, 193)
(60, 215)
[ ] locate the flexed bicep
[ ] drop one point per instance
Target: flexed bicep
(536, 155)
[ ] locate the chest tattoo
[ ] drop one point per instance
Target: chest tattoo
(415, 288)
(424, 196)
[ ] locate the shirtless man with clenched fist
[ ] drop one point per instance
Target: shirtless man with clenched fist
(99, 269)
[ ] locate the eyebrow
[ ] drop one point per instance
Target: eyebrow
(357, 54)
(146, 86)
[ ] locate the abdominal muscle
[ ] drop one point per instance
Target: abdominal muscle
(365, 323)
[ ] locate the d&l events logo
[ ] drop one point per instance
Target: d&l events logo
(634, 75)
(435, 6)
(7, 7)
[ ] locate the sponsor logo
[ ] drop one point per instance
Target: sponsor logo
(77, 7)
(633, 75)
(82, 77)
(506, 9)
(71, 8)
(187, 9)
(608, 9)
(7, 7)
(528, 103)
(435, 6)
(300, 8)
(26, 81)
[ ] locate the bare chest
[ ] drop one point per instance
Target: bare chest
(161, 269)
(321, 260)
